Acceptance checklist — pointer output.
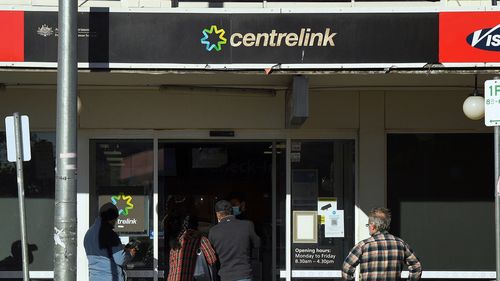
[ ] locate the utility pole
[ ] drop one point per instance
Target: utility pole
(492, 119)
(20, 192)
(497, 200)
(65, 223)
(497, 194)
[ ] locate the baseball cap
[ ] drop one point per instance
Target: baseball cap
(223, 206)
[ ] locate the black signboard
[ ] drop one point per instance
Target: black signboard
(264, 38)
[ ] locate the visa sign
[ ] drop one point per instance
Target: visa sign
(485, 39)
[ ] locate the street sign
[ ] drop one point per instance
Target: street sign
(11, 138)
(492, 103)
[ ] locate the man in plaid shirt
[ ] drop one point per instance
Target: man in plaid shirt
(382, 255)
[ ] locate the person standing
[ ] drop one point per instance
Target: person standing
(233, 241)
(239, 205)
(183, 243)
(105, 253)
(383, 255)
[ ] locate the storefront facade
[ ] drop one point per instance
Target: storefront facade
(192, 116)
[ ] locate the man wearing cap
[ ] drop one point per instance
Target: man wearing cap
(233, 241)
(105, 253)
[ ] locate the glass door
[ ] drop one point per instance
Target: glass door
(195, 175)
(121, 172)
(300, 197)
(322, 179)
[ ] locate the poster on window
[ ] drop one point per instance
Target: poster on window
(334, 224)
(132, 209)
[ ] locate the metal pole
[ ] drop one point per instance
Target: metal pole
(497, 197)
(274, 213)
(288, 214)
(65, 222)
(20, 192)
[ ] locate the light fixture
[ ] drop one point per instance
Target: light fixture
(474, 104)
(78, 105)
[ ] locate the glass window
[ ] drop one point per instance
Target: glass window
(39, 183)
(122, 173)
(440, 189)
(201, 173)
(322, 203)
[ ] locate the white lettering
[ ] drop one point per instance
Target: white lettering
(233, 43)
(495, 42)
(291, 39)
(476, 38)
(127, 221)
(328, 39)
(259, 37)
(249, 40)
(275, 39)
(316, 35)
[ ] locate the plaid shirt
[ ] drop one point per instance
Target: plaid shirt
(183, 259)
(381, 257)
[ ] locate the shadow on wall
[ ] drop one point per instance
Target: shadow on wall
(15, 260)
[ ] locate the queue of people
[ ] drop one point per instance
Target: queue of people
(227, 250)
(226, 254)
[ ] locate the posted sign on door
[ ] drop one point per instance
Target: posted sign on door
(492, 102)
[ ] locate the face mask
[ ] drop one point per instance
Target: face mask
(236, 211)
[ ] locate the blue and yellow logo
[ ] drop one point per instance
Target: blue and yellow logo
(221, 39)
(128, 203)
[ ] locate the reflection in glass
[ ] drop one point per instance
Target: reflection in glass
(39, 184)
(122, 173)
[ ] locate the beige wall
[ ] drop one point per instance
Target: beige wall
(39, 105)
(176, 110)
(428, 111)
(152, 109)
(431, 111)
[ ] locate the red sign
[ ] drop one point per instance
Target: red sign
(11, 35)
(469, 37)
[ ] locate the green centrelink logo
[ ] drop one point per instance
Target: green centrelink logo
(221, 39)
(127, 199)
(302, 37)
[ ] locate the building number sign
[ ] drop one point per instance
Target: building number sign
(492, 102)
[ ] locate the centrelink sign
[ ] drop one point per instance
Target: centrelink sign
(304, 38)
(235, 40)
(132, 215)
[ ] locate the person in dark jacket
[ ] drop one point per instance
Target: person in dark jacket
(105, 253)
(233, 241)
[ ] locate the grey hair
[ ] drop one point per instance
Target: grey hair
(380, 218)
(224, 213)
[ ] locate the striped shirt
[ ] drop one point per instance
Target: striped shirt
(183, 259)
(382, 258)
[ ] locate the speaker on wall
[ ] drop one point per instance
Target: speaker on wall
(297, 102)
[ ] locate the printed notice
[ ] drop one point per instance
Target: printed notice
(326, 205)
(313, 256)
(334, 224)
